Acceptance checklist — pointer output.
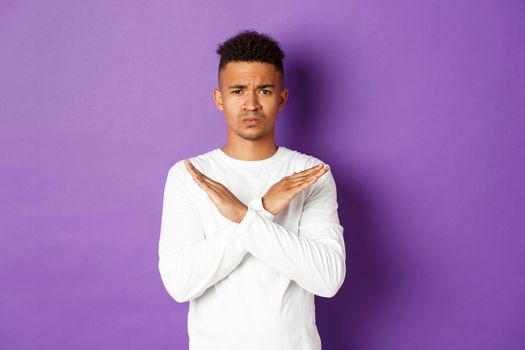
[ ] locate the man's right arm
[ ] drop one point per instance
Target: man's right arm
(189, 263)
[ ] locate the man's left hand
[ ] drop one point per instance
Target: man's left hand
(225, 201)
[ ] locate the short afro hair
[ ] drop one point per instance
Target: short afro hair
(251, 46)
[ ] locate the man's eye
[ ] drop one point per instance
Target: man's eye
(265, 92)
(236, 91)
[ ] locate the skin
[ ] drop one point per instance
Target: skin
(252, 89)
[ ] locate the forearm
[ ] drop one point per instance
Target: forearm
(187, 271)
(317, 264)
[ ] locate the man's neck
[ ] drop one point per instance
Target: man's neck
(250, 150)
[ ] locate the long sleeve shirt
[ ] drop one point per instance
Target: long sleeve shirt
(251, 285)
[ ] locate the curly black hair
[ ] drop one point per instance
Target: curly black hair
(251, 46)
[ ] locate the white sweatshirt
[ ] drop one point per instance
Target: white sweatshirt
(251, 285)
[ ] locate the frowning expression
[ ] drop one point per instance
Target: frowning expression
(250, 94)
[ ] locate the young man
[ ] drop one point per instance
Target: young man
(250, 231)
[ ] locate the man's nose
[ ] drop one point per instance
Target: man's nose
(251, 103)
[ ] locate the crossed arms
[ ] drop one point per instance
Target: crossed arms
(189, 263)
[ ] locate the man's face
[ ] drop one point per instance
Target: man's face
(251, 94)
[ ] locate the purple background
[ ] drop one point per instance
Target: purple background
(418, 106)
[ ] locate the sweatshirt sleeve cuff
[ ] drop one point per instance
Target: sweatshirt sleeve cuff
(246, 221)
(256, 204)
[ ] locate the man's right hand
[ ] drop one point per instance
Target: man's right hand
(281, 193)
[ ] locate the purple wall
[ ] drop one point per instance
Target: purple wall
(417, 106)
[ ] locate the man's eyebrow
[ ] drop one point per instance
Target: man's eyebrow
(237, 86)
(261, 86)
(264, 86)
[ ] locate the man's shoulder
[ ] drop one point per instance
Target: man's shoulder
(198, 161)
(301, 159)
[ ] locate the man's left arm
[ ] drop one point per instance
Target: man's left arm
(314, 257)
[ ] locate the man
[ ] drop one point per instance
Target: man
(250, 231)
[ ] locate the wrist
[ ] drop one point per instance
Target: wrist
(242, 213)
(265, 205)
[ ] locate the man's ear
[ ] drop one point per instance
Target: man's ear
(217, 97)
(283, 98)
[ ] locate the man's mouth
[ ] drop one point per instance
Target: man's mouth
(250, 121)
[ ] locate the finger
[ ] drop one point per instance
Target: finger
(310, 181)
(219, 189)
(204, 180)
(317, 172)
(200, 180)
(308, 171)
(212, 192)
(296, 186)
(210, 182)
(192, 168)
(299, 186)
(211, 189)
(213, 184)
(195, 172)
(199, 177)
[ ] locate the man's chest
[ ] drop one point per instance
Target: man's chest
(247, 185)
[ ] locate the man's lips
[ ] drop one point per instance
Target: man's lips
(250, 121)
(251, 117)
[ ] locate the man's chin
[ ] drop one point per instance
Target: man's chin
(252, 136)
